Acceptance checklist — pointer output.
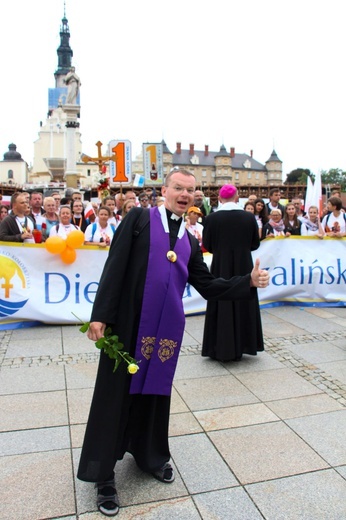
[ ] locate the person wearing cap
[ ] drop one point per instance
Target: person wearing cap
(192, 224)
(234, 328)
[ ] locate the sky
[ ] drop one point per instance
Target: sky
(249, 74)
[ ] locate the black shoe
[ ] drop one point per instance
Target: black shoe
(107, 498)
(164, 474)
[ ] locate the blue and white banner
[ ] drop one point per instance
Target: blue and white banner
(36, 286)
(304, 270)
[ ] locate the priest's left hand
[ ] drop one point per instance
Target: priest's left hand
(259, 277)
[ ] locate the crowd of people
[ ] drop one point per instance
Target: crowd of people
(56, 215)
(32, 217)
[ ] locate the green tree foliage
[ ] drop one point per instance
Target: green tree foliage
(298, 176)
(334, 176)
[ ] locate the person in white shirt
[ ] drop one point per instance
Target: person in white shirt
(114, 218)
(64, 227)
(101, 232)
(311, 225)
(334, 223)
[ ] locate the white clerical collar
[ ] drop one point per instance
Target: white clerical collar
(229, 206)
(164, 221)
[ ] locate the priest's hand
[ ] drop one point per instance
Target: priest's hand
(96, 330)
(259, 277)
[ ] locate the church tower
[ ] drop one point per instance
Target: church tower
(65, 53)
(274, 169)
(50, 149)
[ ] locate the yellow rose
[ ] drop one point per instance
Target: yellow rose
(132, 368)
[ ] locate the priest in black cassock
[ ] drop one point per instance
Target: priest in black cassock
(151, 259)
(232, 328)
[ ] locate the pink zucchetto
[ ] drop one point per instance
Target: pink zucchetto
(227, 191)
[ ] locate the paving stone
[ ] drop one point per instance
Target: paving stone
(231, 503)
(183, 424)
(199, 464)
(233, 417)
(214, 392)
(34, 476)
(81, 375)
(196, 366)
(316, 496)
(182, 508)
(78, 344)
(39, 346)
(262, 361)
(303, 406)
(280, 384)
(265, 451)
(337, 369)
(31, 379)
(36, 410)
(79, 401)
(321, 352)
(325, 433)
(33, 440)
(77, 432)
(177, 403)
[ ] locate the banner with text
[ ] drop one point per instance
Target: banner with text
(37, 286)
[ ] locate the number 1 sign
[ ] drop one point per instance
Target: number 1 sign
(153, 163)
(120, 170)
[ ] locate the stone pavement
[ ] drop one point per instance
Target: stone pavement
(260, 439)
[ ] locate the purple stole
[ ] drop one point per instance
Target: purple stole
(162, 320)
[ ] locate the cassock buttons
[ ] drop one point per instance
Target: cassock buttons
(171, 256)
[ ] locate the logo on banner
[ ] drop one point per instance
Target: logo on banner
(14, 285)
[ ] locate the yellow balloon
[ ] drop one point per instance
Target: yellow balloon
(55, 245)
(68, 256)
(75, 239)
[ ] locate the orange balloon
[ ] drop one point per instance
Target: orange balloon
(75, 239)
(55, 245)
(68, 256)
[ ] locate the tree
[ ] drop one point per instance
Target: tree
(298, 176)
(334, 176)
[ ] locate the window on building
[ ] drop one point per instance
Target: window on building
(88, 173)
(249, 175)
(257, 176)
(219, 171)
(204, 173)
(10, 174)
(237, 176)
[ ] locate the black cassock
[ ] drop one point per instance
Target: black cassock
(119, 422)
(231, 328)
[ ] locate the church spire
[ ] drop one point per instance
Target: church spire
(64, 52)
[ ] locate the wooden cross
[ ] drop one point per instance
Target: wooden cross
(100, 160)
